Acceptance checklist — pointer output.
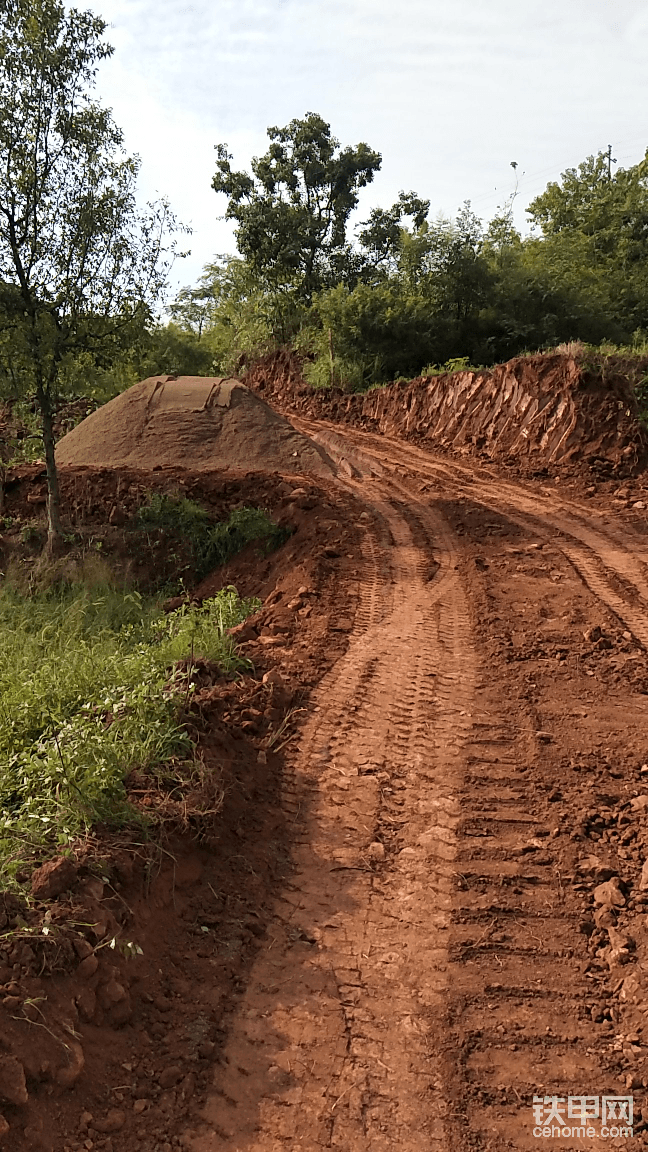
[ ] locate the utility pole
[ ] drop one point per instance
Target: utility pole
(610, 160)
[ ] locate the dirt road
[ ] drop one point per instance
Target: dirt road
(462, 785)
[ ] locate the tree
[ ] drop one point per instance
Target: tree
(382, 234)
(81, 268)
(292, 212)
(603, 217)
(172, 349)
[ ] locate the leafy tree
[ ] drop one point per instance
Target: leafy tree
(193, 308)
(292, 212)
(246, 314)
(170, 349)
(80, 267)
(373, 333)
(381, 237)
(601, 219)
(416, 291)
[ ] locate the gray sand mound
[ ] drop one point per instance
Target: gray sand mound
(197, 422)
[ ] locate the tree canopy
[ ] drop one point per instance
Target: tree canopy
(292, 212)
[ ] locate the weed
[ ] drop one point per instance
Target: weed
(89, 691)
(174, 514)
(31, 535)
(459, 364)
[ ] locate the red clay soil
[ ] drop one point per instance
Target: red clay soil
(100, 505)
(194, 422)
(429, 906)
(106, 1045)
(545, 409)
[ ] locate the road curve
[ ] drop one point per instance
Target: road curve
(416, 933)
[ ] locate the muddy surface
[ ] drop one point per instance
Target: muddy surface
(426, 901)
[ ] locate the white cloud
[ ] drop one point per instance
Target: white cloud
(450, 91)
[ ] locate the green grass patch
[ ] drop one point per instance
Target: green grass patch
(90, 691)
(459, 364)
(207, 545)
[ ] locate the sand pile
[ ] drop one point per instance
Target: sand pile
(196, 422)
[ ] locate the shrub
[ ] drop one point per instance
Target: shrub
(207, 544)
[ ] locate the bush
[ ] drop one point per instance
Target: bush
(207, 544)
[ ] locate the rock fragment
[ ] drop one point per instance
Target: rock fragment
(610, 893)
(112, 1122)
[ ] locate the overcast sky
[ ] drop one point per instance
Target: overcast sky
(448, 91)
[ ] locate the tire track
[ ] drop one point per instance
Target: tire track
(609, 569)
(510, 990)
(420, 964)
(336, 1042)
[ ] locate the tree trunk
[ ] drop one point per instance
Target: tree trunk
(54, 526)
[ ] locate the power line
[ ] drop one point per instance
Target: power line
(555, 169)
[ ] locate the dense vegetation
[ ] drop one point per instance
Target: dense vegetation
(408, 291)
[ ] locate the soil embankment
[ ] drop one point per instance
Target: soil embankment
(546, 409)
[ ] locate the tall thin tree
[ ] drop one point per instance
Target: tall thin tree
(81, 266)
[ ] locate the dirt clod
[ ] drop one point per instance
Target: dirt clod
(53, 878)
(112, 1122)
(88, 967)
(67, 1075)
(13, 1087)
(170, 1076)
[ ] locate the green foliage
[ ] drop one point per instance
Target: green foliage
(413, 291)
(292, 212)
(207, 545)
(170, 350)
(381, 237)
(376, 333)
(81, 267)
(88, 693)
(174, 514)
(231, 316)
(458, 364)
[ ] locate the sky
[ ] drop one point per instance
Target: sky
(450, 92)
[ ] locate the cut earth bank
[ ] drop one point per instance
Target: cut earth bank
(424, 902)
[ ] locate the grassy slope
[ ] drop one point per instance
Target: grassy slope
(89, 691)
